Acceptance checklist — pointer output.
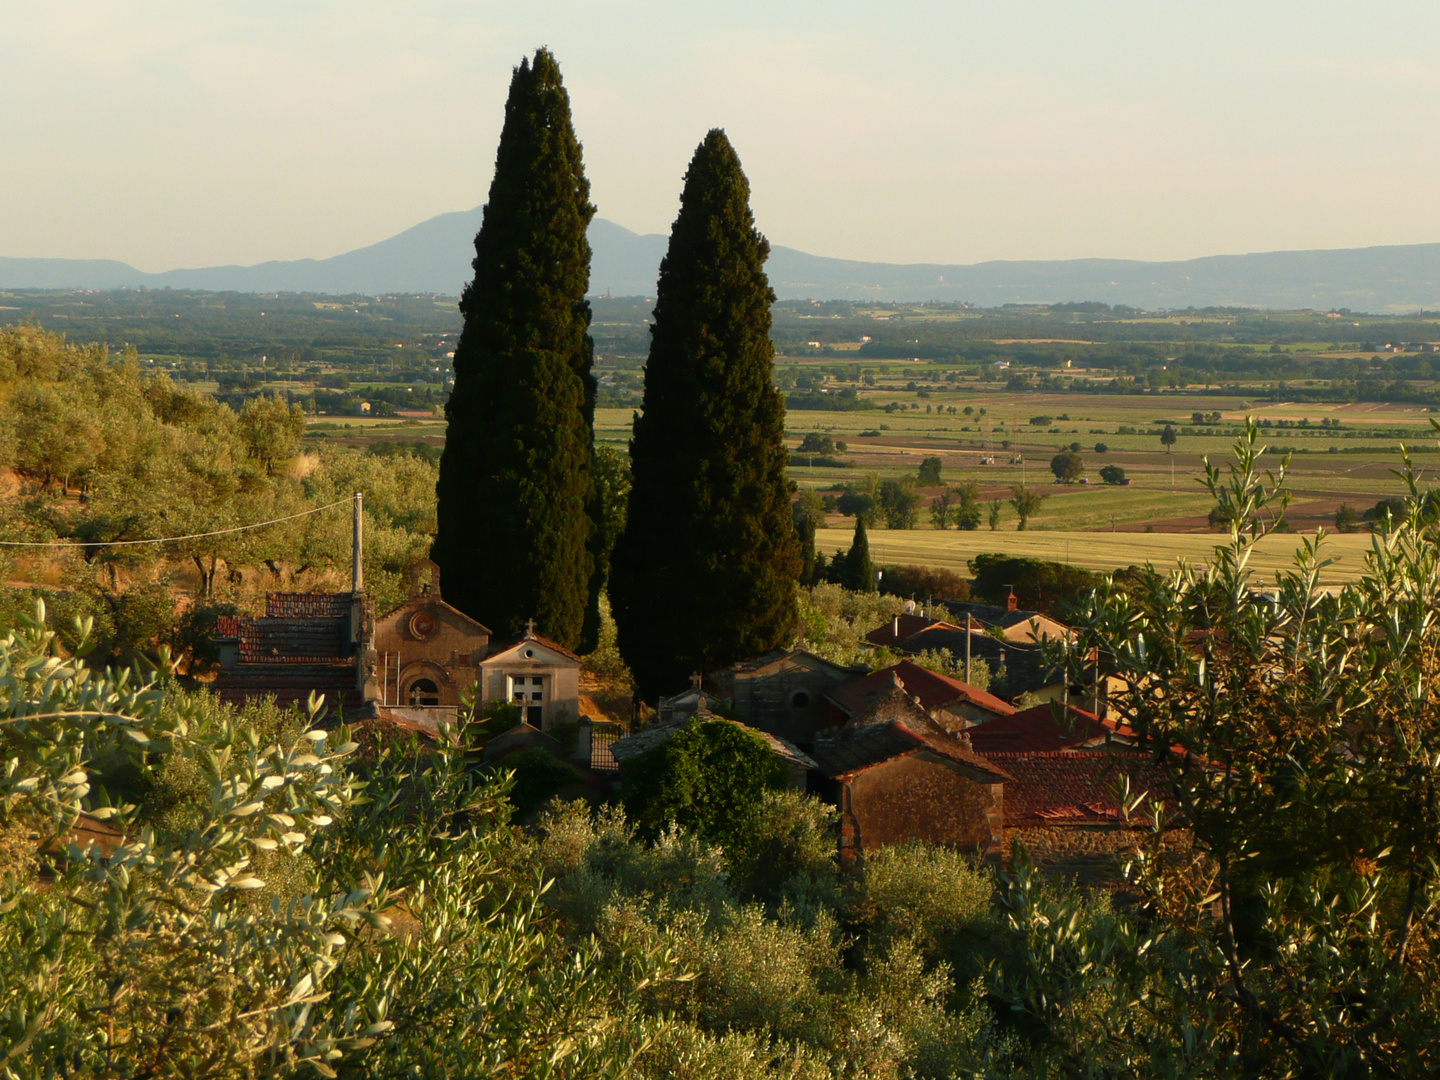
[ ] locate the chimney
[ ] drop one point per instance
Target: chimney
(1011, 602)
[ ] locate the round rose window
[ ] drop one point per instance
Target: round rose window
(422, 624)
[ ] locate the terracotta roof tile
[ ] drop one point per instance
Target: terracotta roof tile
(308, 605)
(291, 684)
(499, 647)
(863, 748)
(1043, 728)
(1074, 786)
(934, 690)
(903, 627)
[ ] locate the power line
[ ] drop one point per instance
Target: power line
(167, 539)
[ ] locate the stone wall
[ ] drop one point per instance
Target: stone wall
(787, 700)
(924, 797)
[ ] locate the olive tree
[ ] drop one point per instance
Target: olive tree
(1289, 896)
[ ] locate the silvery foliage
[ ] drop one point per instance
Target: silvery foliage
(138, 957)
(402, 934)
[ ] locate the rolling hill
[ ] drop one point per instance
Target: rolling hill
(434, 257)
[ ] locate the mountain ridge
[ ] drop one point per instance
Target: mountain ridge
(434, 256)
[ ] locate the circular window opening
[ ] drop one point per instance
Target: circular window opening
(529, 653)
(424, 692)
(422, 624)
(799, 699)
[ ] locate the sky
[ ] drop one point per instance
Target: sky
(176, 134)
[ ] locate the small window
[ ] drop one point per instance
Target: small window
(799, 699)
(424, 692)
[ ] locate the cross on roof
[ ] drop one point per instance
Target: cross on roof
(529, 627)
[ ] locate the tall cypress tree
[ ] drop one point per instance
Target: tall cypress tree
(704, 573)
(859, 570)
(515, 490)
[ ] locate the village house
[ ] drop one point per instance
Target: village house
(1012, 624)
(414, 664)
(1050, 727)
(955, 705)
(896, 773)
(903, 627)
(784, 692)
(1010, 647)
(1063, 807)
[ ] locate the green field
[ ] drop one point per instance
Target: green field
(1093, 551)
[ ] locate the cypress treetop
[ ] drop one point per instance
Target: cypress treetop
(859, 570)
(704, 574)
(515, 491)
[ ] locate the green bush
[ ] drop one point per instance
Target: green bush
(708, 778)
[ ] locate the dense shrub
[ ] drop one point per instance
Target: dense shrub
(924, 583)
(1039, 585)
(707, 778)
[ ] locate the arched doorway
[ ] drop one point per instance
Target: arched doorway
(423, 692)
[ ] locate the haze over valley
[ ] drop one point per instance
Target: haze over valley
(434, 257)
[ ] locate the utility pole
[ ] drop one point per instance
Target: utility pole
(967, 648)
(357, 565)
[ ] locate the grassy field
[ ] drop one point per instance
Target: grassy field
(1093, 551)
(1164, 494)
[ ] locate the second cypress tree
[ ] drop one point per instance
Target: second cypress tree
(515, 495)
(704, 573)
(859, 570)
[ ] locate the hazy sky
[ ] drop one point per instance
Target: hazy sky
(192, 133)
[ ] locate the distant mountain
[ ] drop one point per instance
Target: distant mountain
(434, 257)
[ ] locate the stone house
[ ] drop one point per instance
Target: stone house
(1062, 806)
(896, 773)
(1012, 624)
(1048, 727)
(414, 663)
(784, 692)
(954, 704)
(304, 644)
(431, 654)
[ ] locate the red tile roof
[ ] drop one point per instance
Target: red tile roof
(1071, 787)
(934, 690)
(279, 605)
(1043, 728)
(902, 627)
(864, 748)
(499, 647)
